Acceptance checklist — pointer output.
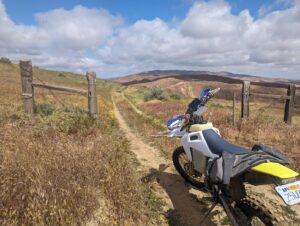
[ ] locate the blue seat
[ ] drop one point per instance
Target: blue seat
(218, 145)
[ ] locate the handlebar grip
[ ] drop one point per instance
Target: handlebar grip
(214, 91)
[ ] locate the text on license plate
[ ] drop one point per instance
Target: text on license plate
(290, 192)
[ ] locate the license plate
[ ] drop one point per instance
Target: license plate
(290, 193)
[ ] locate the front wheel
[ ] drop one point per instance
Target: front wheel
(185, 168)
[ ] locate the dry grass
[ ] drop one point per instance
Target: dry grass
(265, 124)
(163, 110)
(261, 127)
(63, 168)
(48, 177)
(58, 167)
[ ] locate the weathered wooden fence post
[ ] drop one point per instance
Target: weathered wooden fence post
(27, 87)
(233, 110)
(289, 104)
(245, 99)
(92, 95)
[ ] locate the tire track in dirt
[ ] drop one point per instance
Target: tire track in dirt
(175, 193)
(132, 105)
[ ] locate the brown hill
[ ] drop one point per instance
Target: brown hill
(190, 82)
(226, 77)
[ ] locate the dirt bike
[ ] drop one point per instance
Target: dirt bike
(207, 161)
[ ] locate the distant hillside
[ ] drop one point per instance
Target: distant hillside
(189, 83)
(226, 77)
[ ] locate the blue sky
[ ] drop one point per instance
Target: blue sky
(117, 37)
(133, 10)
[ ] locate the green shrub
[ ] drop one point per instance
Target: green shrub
(73, 120)
(175, 96)
(155, 93)
(68, 119)
(44, 109)
(5, 60)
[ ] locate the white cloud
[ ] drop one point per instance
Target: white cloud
(210, 37)
(15, 37)
(275, 38)
(195, 42)
(60, 38)
(78, 28)
(214, 19)
(269, 7)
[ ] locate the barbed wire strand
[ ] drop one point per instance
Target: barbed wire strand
(52, 93)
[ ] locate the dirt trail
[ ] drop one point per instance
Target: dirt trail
(175, 192)
(132, 105)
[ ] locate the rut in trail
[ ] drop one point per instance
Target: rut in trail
(176, 193)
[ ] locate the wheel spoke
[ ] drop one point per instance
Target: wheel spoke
(187, 166)
(255, 221)
(183, 158)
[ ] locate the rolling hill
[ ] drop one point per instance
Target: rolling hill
(225, 77)
(190, 83)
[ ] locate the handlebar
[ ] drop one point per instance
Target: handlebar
(214, 91)
(209, 96)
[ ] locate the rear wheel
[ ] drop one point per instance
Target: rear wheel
(185, 168)
(257, 213)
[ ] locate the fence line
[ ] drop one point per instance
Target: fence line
(234, 107)
(55, 96)
(59, 88)
(289, 100)
(28, 89)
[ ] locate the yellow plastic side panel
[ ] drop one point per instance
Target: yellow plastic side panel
(200, 127)
(275, 169)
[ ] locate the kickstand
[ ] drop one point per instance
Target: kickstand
(208, 212)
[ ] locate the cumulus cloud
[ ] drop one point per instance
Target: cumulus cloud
(275, 38)
(272, 6)
(15, 37)
(60, 37)
(199, 40)
(78, 28)
(210, 37)
(214, 19)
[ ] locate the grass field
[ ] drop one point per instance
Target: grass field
(62, 167)
(265, 124)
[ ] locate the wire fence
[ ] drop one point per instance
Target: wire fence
(28, 89)
(45, 94)
(51, 93)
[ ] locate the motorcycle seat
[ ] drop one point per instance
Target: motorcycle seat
(218, 145)
(200, 127)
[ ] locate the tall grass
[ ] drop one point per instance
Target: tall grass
(62, 167)
(52, 173)
(265, 124)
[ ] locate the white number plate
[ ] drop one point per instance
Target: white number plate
(290, 192)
